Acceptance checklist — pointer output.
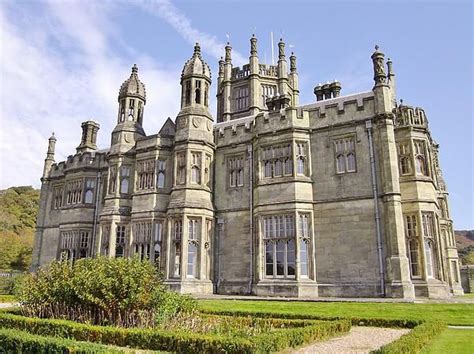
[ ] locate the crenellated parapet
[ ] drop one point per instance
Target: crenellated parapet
(87, 161)
(408, 116)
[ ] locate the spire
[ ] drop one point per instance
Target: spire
(51, 147)
(221, 67)
(228, 53)
(197, 49)
(134, 69)
(292, 63)
(390, 68)
(253, 45)
(281, 50)
(379, 69)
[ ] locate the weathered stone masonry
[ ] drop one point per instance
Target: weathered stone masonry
(340, 197)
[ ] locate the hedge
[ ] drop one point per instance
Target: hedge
(183, 342)
(14, 341)
(415, 340)
(356, 321)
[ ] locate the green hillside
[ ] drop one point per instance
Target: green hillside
(18, 210)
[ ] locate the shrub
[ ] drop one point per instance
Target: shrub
(179, 341)
(415, 340)
(118, 291)
(14, 341)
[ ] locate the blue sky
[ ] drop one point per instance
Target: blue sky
(62, 62)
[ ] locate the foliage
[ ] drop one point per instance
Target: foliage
(176, 340)
(14, 341)
(453, 314)
(118, 291)
(7, 298)
(18, 211)
(467, 255)
(415, 340)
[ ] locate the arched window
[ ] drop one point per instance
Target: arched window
(420, 165)
(161, 180)
(131, 109)
(300, 167)
(124, 186)
(340, 164)
(429, 258)
(122, 110)
(88, 197)
(304, 258)
(206, 95)
(404, 165)
(187, 92)
(195, 175)
(268, 169)
(278, 168)
(198, 92)
(351, 164)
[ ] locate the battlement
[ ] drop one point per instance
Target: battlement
(407, 116)
(238, 73)
(85, 160)
(340, 102)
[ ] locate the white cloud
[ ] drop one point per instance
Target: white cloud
(183, 25)
(57, 70)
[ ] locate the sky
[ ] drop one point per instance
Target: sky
(62, 62)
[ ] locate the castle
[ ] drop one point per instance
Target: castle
(340, 197)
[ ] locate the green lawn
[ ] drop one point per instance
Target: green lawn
(459, 341)
(453, 314)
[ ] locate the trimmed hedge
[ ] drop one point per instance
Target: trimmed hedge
(356, 321)
(14, 341)
(414, 341)
(177, 341)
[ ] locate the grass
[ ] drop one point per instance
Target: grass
(458, 341)
(7, 298)
(453, 314)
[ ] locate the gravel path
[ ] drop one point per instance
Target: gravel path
(359, 340)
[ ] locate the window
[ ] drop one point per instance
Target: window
(140, 111)
(74, 192)
(268, 91)
(301, 158)
(345, 155)
(181, 168)
(120, 241)
(420, 158)
(429, 243)
(279, 240)
(112, 179)
(124, 179)
(57, 197)
(89, 188)
(404, 158)
(206, 94)
(122, 110)
(160, 180)
(236, 171)
(198, 92)
(413, 246)
(157, 242)
(207, 171)
(241, 96)
(277, 161)
(194, 234)
(142, 237)
(304, 271)
(145, 174)
(196, 167)
(177, 237)
(131, 109)
(74, 244)
(187, 92)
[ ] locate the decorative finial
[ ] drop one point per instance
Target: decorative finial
(281, 49)
(379, 69)
(253, 45)
(292, 63)
(134, 68)
(401, 102)
(228, 51)
(197, 48)
(376, 47)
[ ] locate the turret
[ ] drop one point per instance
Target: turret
(254, 85)
(382, 94)
(294, 80)
(131, 99)
(391, 81)
(226, 83)
(89, 136)
(49, 160)
(282, 69)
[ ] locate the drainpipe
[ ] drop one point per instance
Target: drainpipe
(368, 126)
(250, 157)
(98, 183)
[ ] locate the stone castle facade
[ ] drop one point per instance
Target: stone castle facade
(340, 197)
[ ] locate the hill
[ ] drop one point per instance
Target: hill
(18, 211)
(465, 245)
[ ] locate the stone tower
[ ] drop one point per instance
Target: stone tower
(190, 211)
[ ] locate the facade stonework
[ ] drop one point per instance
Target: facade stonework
(341, 197)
